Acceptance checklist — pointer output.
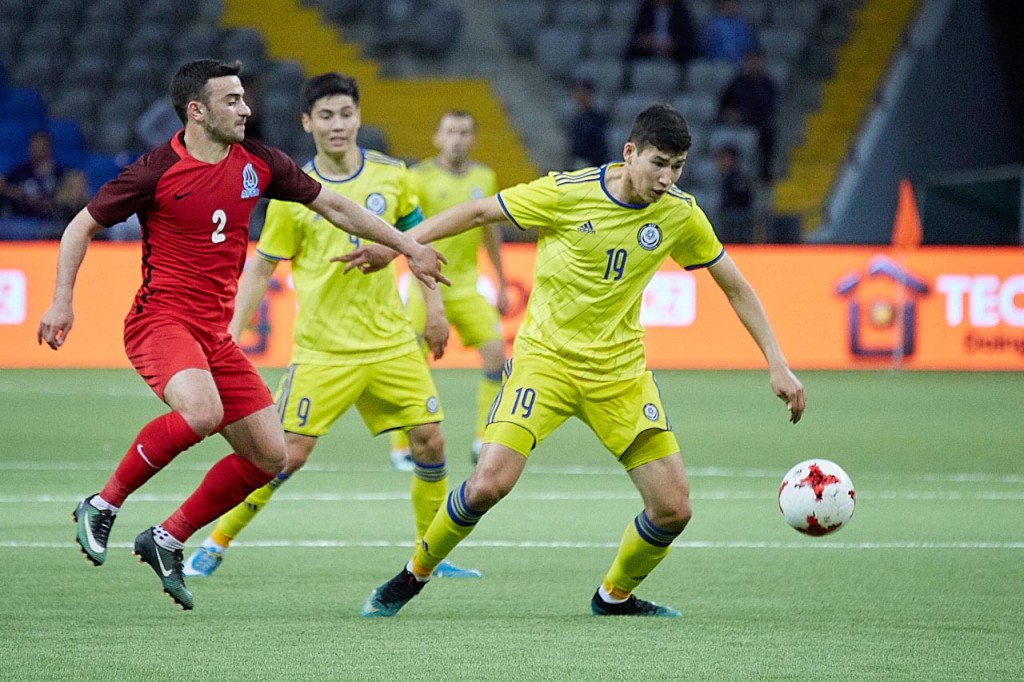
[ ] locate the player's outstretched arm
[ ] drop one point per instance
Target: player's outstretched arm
(424, 262)
(251, 288)
(56, 322)
(371, 257)
(748, 308)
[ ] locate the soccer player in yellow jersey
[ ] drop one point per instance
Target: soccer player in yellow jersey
(353, 344)
(602, 234)
(448, 179)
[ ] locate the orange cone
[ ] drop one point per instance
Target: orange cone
(906, 227)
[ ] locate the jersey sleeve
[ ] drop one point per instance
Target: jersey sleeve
(281, 236)
(409, 212)
(699, 246)
(133, 190)
(530, 204)
(287, 181)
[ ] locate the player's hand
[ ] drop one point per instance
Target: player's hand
(502, 302)
(425, 264)
(790, 390)
(435, 333)
(55, 325)
(367, 258)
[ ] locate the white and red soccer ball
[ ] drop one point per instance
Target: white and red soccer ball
(817, 497)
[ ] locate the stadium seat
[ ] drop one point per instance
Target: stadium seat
(373, 137)
(23, 104)
(558, 49)
(519, 23)
(245, 44)
(68, 143)
(195, 42)
(604, 72)
(744, 138)
(699, 108)
(14, 134)
(78, 103)
(629, 104)
(283, 76)
(655, 75)
(100, 168)
(756, 11)
(622, 13)
(782, 42)
(799, 14)
(436, 31)
(709, 75)
(607, 42)
(587, 14)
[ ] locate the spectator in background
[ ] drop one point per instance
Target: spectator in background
(588, 129)
(750, 99)
(663, 28)
(735, 221)
(39, 187)
(730, 36)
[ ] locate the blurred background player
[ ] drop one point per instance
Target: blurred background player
(603, 234)
(443, 181)
(194, 195)
(353, 344)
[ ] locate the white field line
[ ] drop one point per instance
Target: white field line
(517, 544)
(720, 495)
(533, 469)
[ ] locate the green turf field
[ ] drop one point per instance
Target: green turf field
(926, 583)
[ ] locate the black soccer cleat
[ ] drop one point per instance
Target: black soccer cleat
(390, 597)
(631, 607)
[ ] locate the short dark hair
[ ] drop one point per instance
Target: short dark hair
(189, 82)
(327, 85)
(662, 127)
(458, 113)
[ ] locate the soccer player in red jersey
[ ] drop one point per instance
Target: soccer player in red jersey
(193, 196)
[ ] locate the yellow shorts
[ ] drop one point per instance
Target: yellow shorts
(474, 319)
(536, 397)
(393, 394)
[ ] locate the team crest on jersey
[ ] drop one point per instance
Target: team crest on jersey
(651, 412)
(432, 405)
(649, 236)
(376, 203)
(476, 193)
(250, 182)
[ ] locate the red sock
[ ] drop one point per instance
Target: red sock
(159, 441)
(225, 486)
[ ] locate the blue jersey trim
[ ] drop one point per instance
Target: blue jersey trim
(604, 188)
(362, 165)
(272, 259)
(504, 209)
(709, 263)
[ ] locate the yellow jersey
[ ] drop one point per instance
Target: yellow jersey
(439, 188)
(344, 319)
(595, 256)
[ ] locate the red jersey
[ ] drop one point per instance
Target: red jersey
(195, 222)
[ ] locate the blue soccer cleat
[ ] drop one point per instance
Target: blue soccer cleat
(203, 562)
(447, 569)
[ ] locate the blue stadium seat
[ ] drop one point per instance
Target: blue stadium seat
(68, 142)
(23, 104)
(100, 168)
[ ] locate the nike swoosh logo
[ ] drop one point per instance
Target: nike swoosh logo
(143, 456)
(95, 546)
(163, 570)
(182, 195)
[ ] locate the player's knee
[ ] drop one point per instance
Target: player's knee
(427, 444)
(272, 459)
(677, 517)
(484, 491)
(204, 415)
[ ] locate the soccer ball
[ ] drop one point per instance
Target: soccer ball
(816, 497)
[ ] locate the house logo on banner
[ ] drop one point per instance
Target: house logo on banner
(882, 304)
(12, 296)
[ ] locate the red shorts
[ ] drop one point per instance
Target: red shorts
(160, 346)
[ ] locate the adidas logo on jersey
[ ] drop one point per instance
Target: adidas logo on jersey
(586, 228)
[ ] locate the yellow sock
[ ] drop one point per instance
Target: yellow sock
(233, 522)
(445, 532)
(643, 547)
(486, 391)
(429, 485)
(399, 441)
